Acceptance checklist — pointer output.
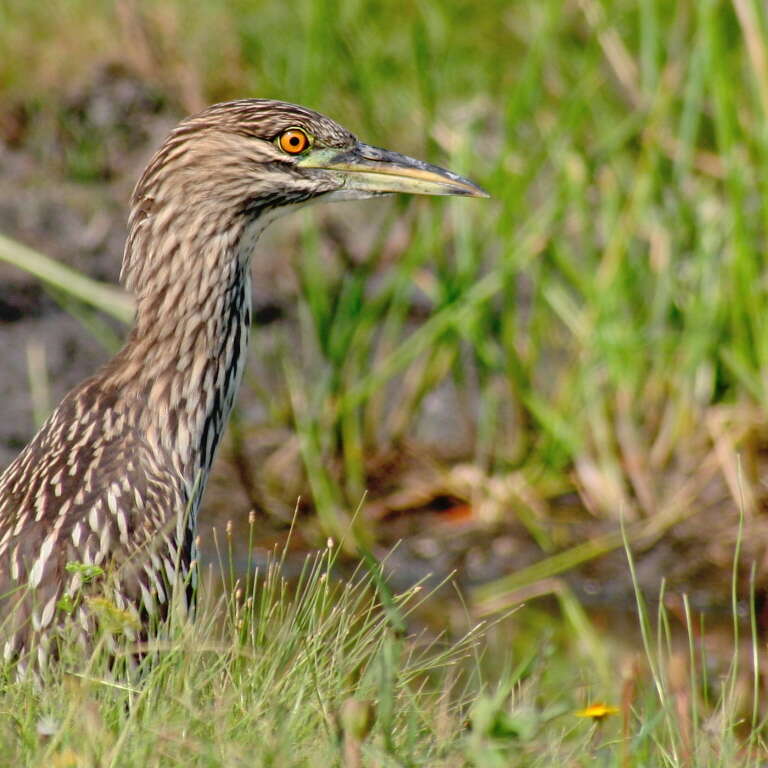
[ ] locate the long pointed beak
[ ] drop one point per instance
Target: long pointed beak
(368, 170)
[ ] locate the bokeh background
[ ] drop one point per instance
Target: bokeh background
(515, 389)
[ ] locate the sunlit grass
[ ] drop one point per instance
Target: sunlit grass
(260, 677)
(329, 672)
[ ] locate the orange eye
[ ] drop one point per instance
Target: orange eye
(293, 141)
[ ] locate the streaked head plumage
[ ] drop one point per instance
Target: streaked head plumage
(237, 165)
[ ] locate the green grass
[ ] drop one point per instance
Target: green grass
(324, 672)
(607, 302)
(261, 679)
(603, 319)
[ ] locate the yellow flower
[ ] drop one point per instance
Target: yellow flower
(597, 711)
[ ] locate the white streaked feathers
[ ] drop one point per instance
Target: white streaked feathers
(115, 475)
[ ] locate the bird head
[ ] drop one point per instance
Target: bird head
(247, 161)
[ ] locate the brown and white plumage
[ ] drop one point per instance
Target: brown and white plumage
(115, 475)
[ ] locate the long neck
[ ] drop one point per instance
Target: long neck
(184, 359)
(196, 214)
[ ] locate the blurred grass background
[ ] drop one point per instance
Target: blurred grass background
(586, 346)
(592, 339)
(508, 380)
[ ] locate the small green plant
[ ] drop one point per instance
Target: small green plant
(87, 573)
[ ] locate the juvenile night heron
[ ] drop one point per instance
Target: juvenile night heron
(115, 475)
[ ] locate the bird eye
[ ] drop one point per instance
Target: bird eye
(293, 141)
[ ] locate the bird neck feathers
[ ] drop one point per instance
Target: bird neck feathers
(184, 359)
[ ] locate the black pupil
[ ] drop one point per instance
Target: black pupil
(294, 141)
